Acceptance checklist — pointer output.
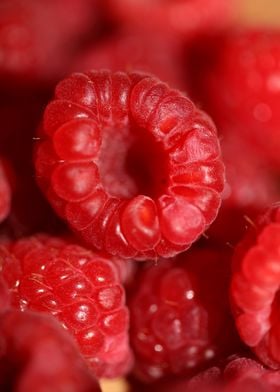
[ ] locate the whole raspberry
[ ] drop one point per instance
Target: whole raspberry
(131, 164)
(255, 287)
(180, 318)
(5, 192)
(80, 288)
(238, 82)
(184, 18)
(38, 355)
(157, 54)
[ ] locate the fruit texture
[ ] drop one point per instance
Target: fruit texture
(255, 287)
(180, 319)
(238, 77)
(183, 18)
(38, 355)
(81, 289)
(235, 374)
(132, 165)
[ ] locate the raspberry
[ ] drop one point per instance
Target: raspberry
(37, 354)
(236, 375)
(184, 18)
(80, 288)
(255, 287)
(240, 374)
(240, 87)
(132, 165)
(33, 49)
(5, 192)
(156, 54)
(180, 319)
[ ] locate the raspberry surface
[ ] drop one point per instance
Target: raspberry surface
(180, 319)
(236, 374)
(255, 287)
(132, 165)
(38, 355)
(237, 82)
(184, 18)
(81, 289)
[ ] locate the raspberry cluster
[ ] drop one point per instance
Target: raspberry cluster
(139, 197)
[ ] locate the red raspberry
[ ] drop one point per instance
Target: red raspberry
(238, 375)
(131, 164)
(240, 87)
(180, 319)
(156, 54)
(249, 189)
(79, 288)
(241, 374)
(5, 192)
(255, 288)
(182, 17)
(37, 38)
(38, 355)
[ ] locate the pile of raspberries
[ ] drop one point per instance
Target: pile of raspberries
(139, 197)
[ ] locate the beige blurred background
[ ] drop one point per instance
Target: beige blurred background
(258, 12)
(247, 13)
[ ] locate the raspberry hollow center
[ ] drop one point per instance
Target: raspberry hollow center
(131, 162)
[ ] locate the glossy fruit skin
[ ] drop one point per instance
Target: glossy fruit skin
(132, 165)
(180, 319)
(80, 288)
(254, 287)
(184, 19)
(38, 354)
(239, 87)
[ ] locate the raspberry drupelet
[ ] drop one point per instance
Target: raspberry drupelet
(132, 165)
(37, 354)
(255, 287)
(81, 289)
(180, 318)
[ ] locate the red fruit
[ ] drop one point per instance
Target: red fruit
(255, 287)
(184, 18)
(237, 375)
(80, 288)
(240, 87)
(38, 355)
(131, 164)
(180, 319)
(5, 192)
(157, 54)
(37, 38)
